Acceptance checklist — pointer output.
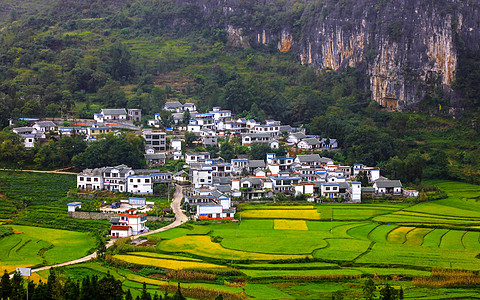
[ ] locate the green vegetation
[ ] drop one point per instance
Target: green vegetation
(269, 253)
(78, 58)
(34, 246)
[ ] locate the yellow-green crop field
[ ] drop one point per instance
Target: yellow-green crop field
(300, 214)
(290, 225)
(166, 263)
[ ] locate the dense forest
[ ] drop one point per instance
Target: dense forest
(72, 58)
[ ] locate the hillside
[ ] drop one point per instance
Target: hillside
(61, 58)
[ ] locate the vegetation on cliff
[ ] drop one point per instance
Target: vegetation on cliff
(74, 57)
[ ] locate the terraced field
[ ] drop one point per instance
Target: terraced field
(275, 245)
(31, 246)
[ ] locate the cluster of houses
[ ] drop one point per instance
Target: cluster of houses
(214, 182)
(122, 178)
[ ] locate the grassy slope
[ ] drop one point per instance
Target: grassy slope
(39, 246)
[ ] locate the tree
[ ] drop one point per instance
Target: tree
(368, 289)
(119, 63)
(145, 295)
(226, 151)
(112, 95)
(111, 151)
(363, 178)
(6, 285)
(166, 118)
(178, 294)
(190, 138)
(186, 117)
(128, 295)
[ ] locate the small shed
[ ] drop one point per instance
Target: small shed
(73, 206)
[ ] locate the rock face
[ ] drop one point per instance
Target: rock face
(402, 45)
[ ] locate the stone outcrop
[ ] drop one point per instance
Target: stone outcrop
(399, 44)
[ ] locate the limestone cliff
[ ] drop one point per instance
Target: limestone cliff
(400, 44)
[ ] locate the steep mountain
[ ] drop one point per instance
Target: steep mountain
(407, 47)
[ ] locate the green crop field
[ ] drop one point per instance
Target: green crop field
(31, 246)
(314, 242)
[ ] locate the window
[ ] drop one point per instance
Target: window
(95, 179)
(147, 180)
(327, 188)
(138, 180)
(81, 178)
(135, 186)
(131, 180)
(89, 179)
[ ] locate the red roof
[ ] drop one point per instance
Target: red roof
(120, 227)
(132, 216)
(132, 209)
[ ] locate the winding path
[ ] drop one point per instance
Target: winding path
(180, 218)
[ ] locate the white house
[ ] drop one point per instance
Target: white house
(176, 144)
(196, 157)
(140, 184)
(249, 138)
(28, 140)
(355, 191)
(73, 206)
(91, 179)
(329, 190)
(295, 138)
(120, 231)
(44, 126)
(387, 186)
(115, 178)
(129, 224)
(220, 114)
(372, 173)
(111, 115)
(309, 144)
(201, 177)
(304, 188)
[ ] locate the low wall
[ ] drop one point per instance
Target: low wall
(108, 216)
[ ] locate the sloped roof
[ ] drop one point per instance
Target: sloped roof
(254, 181)
(45, 124)
(298, 135)
(114, 111)
(173, 104)
(256, 164)
(155, 156)
(388, 183)
(311, 141)
(257, 135)
(120, 227)
(308, 157)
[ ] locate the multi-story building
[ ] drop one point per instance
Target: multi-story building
(115, 178)
(135, 114)
(91, 179)
(140, 184)
(157, 139)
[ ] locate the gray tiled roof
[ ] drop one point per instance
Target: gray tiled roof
(114, 111)
(388, 183)
(256, 164)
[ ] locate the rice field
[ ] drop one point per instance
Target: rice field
(166, 263)
(299, 214)
(290, 225)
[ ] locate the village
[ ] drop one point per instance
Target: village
(213, 185)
